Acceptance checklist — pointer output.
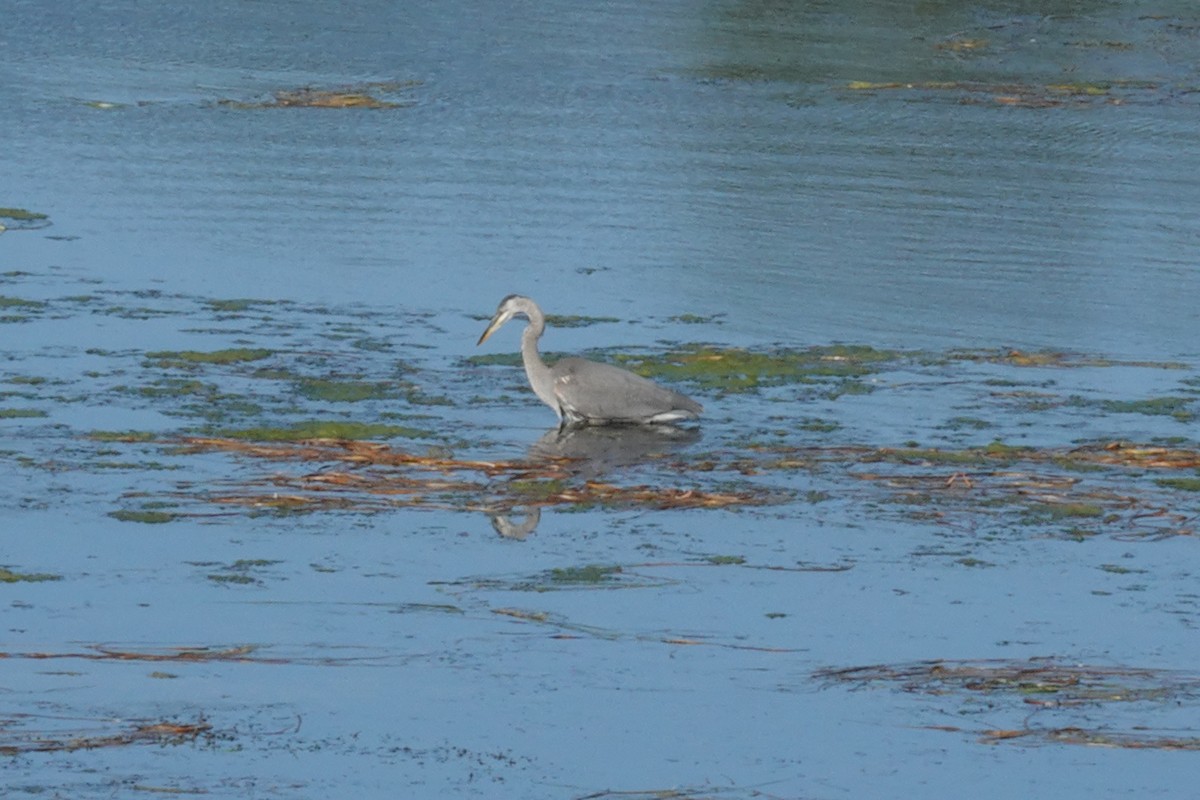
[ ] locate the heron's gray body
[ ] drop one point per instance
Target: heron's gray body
(584, 392)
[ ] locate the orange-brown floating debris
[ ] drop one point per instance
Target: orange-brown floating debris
(593, 493)
(999, 735)
(517, 613)
(325, 98)
(378, 477)
(385, 477)
(1093, 738)
(357, 96)
(160, 733)
(241, 653)
(1012, 685)
(1033, 677)
(1127, 454)
(1114, 453)
(349, 451)
(1022, 95)
(962, 45)
(1127, 741)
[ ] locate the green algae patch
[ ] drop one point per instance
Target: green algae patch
(235, 578)
(537, 489)
(966, 423)
(328, 429)
(990, 453)
(512, 359)
(414, 396)
(22, 215)
(371, 345)
(335, 391)
(188, 358)
(575, 320)
(233, 305)
(177, 387)
(1177, 407)
(20, 303)
(128, 437)
(243, 564)
(238, 573)
(1182, 484)
(696, 319)
(732, 369)
(585, 577)
(9, 576)
(1066, 462)
(22, 413)
(998, 449)
(1052, 512)
(1117, 569)
(1180, 408)
(591, 574)
(145, 516)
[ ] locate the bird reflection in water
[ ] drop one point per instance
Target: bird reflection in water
(595, 451)
(507, 526)
(591, 453)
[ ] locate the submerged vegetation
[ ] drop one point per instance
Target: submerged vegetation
(738, 370)
(270, 401)
(306, 417)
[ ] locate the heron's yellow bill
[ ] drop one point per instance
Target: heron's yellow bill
(491, 328)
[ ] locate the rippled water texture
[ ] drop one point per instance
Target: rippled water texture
(271, 525)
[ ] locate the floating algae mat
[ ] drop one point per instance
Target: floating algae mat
(312, 380)
(336, 488)
(741, 370)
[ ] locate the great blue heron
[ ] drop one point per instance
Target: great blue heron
(583, 392)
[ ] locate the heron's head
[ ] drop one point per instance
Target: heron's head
(509, 307)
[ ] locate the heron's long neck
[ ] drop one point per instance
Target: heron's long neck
(540, 377)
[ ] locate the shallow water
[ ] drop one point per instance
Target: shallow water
(945, 185)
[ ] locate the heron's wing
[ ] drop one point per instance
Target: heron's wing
(601, 392)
